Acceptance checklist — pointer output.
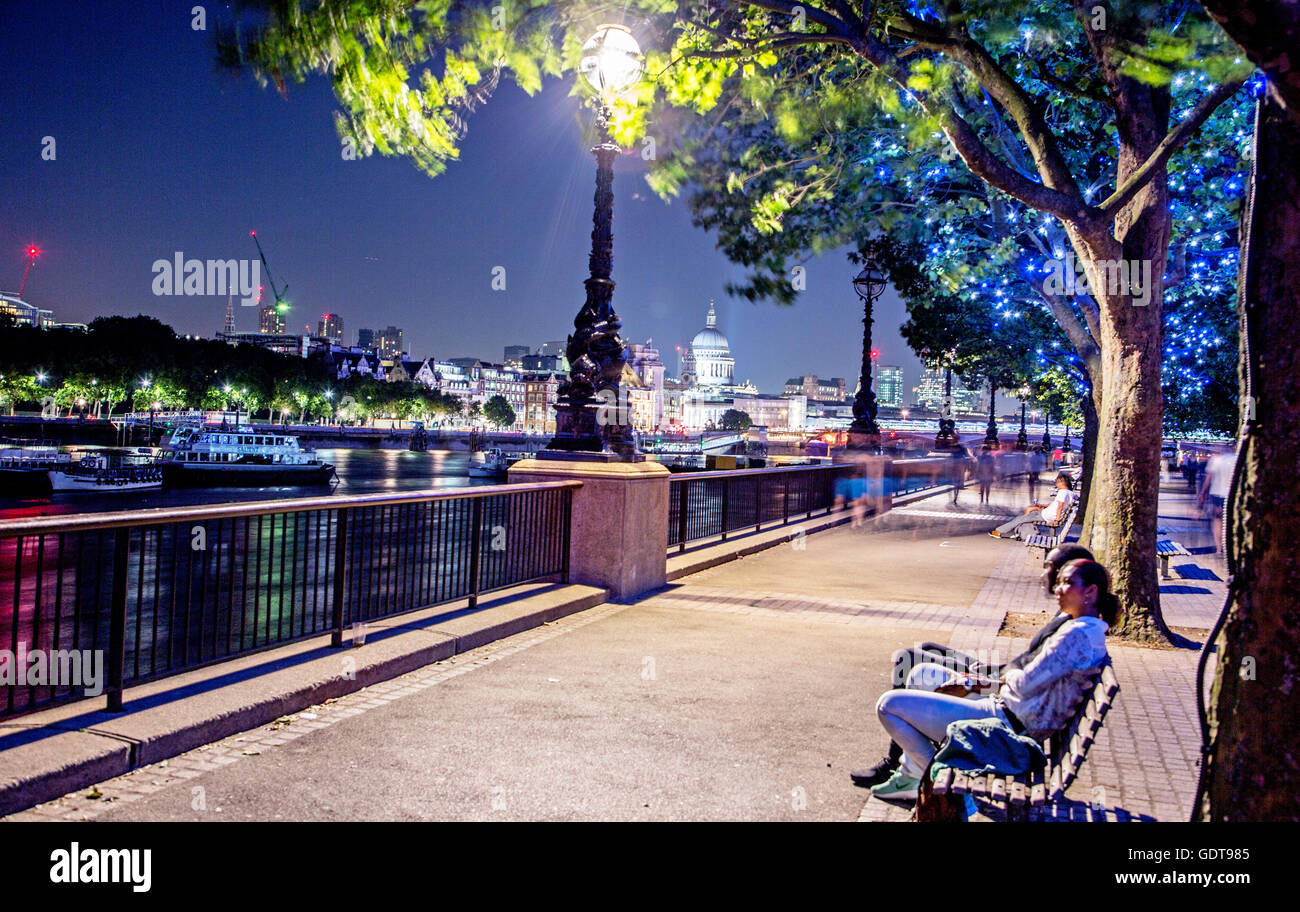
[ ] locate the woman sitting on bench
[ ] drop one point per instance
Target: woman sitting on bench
(1040, 514)
(1035, 700)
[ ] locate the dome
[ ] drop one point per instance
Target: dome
(710, 338)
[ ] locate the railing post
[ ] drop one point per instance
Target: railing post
(117, 619)
(758, 506)
(785, 499)
(476, 549)
(726, 488)
(340, 576)
(682, 501)
(568, 532)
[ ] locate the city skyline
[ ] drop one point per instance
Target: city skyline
(156, 154)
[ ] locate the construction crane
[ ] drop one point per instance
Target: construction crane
(32, 253)
(281, 305)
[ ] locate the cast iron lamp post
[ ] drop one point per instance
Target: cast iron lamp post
(947, 438)
(1022, 439)
(589, 414)
(1047, 432)
(864, 432)
(991, 434)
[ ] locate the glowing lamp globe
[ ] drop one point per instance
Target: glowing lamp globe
(611, 61)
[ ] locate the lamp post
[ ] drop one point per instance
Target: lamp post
(991, 435)
(864, 432)
(589, 416)
(1022, 439)
(947, 438)
(1047, 432)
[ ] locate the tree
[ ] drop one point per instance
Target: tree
(1000, 83)
(498, 411)
(1249, 771)
(736, 420)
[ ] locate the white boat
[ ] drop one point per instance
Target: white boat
(488, 463)
(109, 471)
(214, 456)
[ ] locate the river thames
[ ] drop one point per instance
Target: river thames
(360, 471)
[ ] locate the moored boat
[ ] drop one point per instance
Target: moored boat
(239, 457)
(108, 471)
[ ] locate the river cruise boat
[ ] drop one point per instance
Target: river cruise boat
(239, 456)
(25, 467)
(108, 471)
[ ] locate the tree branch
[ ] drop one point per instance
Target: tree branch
(1173, 141)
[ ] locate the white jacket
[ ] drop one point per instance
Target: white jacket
(1045, 693)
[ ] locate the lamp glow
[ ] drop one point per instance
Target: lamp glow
(611, 61)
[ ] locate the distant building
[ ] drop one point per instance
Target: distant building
(554, 348)
(708, 361)
(466, 365)
(388, 342)
(540, 395)
(816, 390)
(283, 343)
(545, 364)
(331, 327)
(366, 339)
(515, 355)
(889, 385)
(965, 400)
(24, 314)
(646, 365)
(271, 320)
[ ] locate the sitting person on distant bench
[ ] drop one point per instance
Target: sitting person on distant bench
(943, 669)
(1039, 514)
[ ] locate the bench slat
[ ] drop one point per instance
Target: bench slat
(943, 781)
(960, 784)
(1017, 792)
(998, 789)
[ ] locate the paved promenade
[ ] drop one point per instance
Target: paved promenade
(743, 692)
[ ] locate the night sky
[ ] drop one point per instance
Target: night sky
(158, 152)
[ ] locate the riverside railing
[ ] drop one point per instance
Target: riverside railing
(712, 504)
(151, 593)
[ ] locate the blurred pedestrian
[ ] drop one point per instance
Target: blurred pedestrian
(986, 471)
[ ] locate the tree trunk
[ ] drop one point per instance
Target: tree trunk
(1088, 450)
(1253, 771)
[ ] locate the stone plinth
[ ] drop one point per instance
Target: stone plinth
(619, 537)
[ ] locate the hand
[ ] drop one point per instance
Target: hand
(953, 690)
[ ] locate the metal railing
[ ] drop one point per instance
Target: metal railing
(159, 592)
(717, 504)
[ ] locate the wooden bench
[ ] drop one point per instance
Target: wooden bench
(1049, 536)
(1166, 549)
(1065, 753)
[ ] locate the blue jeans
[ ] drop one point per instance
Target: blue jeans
(918, 720)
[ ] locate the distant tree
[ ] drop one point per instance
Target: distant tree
(498, 411)
(475, 411)
(736, 420)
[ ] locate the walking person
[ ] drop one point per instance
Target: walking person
(986, 470)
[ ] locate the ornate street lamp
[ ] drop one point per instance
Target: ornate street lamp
(1022, 439)
(1046, 445)
(864, 432)
(947, 438)
(589, 416)
(991, 435)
